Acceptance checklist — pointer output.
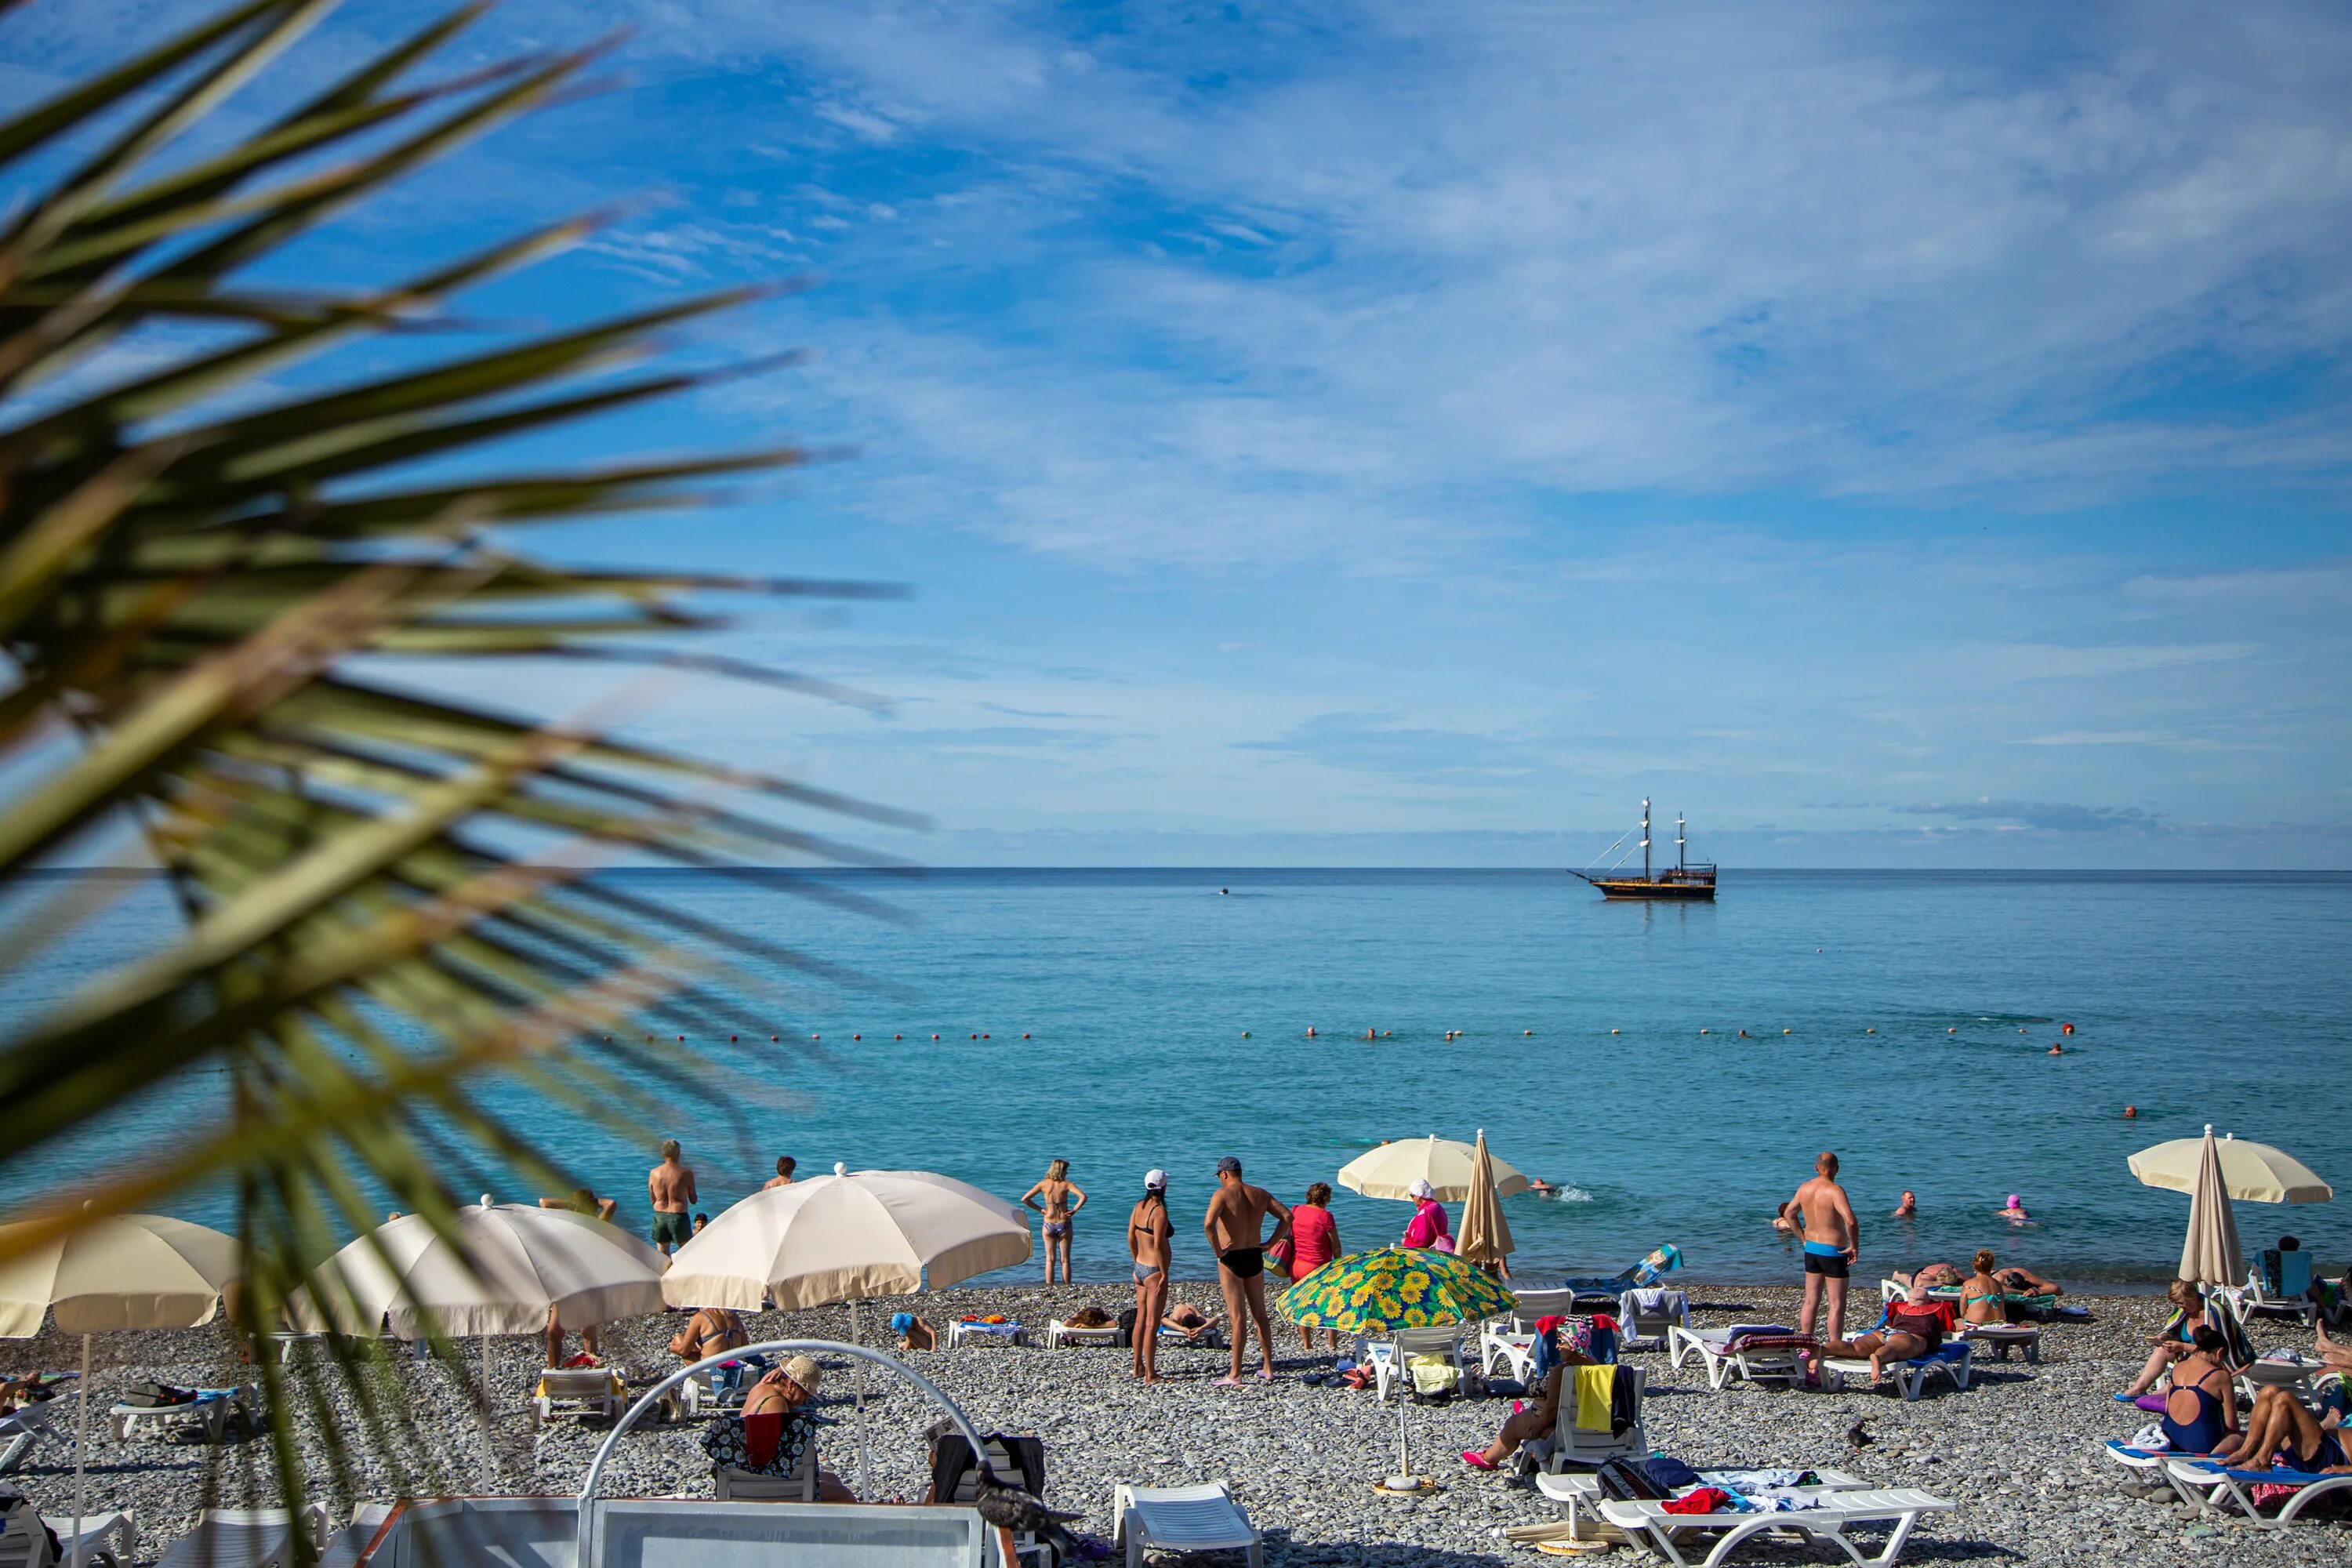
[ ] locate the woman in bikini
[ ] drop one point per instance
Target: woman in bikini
(2173, 1340)
(1149, 1241)
(1982, 1300)
(1062, 1201)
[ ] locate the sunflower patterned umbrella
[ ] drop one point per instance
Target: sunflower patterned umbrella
(1383, 1291)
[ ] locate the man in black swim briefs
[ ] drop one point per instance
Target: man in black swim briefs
(1235, 1222)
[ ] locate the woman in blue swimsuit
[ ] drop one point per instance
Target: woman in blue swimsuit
(2200, 1413)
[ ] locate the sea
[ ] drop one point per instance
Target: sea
(1672, 1069)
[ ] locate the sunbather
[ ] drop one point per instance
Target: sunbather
(914, 1334)
(708, 1332)
(2280, 1431)
(1915, 1327)
(1934, 1277)
(2020, 1282)
(2333, 1354)
(1191, 1321)
(1537, 1418)
(2200, 1414)
(2174, 1341)
(1981, 1293)
(782, 1391)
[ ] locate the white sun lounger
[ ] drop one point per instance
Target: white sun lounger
(2157, 1464)
(111, 1538)
(1578, 1492)
(1910, 1376)
(212, 1406)
(1202, 1518)
(1827, 1520)
(20, 1429)
(592, 1392)
(1647, 1331)
(1713, 1346)
(2003, 1338)
(244, 1538)
(1059, 1333)
(2213, 1481)
(1512, 1348)
(1011, 1333)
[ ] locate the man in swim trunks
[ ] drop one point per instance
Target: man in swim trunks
(671, 1186)
(1151, 1242)
(1235, 1222)
(1832, 1238)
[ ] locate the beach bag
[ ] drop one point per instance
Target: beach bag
(1126, 1329)
(1628, 1482)
(158, 1396)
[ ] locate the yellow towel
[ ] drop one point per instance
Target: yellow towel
(1595, 1384)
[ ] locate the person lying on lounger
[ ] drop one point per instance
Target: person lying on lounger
(1934, 1277)
(1915, 1327)
(1190, 1321)
(2025, 1282)
(1537, 1418)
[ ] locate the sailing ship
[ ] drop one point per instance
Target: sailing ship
(1683, 879)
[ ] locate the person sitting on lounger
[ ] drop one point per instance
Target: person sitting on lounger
(2200, 1413)
(782, 1391)
(1537, 1418)
(1189, 1321)
(2281, 1432)
(914, 1334)
(2174, 1340)
(1915, 1327)
(708, 1332)
(1982, 1298)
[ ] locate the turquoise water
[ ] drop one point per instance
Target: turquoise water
(2198, 997)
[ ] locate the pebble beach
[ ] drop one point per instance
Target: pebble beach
(2018, 1452)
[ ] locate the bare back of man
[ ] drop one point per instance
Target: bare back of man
(1833, 1239)
(1236, 1224)
(670, 1187)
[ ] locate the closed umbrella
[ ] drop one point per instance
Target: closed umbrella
(1486, 1235)
(508, 1266)
(1446, 1164)
(1393, 1288)
(125, 1271)
(2210, 1255)
(2250, 1173)
(844, 1237)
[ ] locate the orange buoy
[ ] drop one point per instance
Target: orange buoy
(1527, 1031)
(773, 1037)
(1951, 1031)
(1386, 1034)
(1788, 1031)
(1870, 1031)
(1612, 1031)
(935, 1036)
(897, 1036)
(2065, 1028)
(856, 1036)
(1025, 1033)
(983, 1036)
(975, 1036)
(1702, 1031)
(681, 1039)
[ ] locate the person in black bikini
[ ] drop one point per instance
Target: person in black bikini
(2200, 1413)
(1235, 1222)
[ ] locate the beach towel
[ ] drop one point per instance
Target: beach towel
(1596, 1388)
(1705, 1499)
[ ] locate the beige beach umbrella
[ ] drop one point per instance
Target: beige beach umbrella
(2210, 1255)
(510, 1263)
(1486, 1235)
(2252, 1173)
(845, 1237)
(122, 1272)
(1391, 1170)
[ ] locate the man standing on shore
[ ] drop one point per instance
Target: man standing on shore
(1235, 1222)
(1832, 1238)
(671, 1186)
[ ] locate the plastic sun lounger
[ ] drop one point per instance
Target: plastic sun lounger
(1777, 1364)
(1388, 1357)
(1011, 1333)
(1212, 1338)
(20, 1429)
(1641, 1330)
(593, 1392)
(1202, 1518)
(1827, 1520)
(2218, 1480)
(1578, 1492)
(112, 1538)
(212, 1406)
(1567, 1444)
(2003, 1338)
(2158, 1463)
(1059, 1333)
(1954, 1359)
(244, 1538)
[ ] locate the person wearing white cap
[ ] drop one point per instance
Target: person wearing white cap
(1429, 1227)
(1151, 1241)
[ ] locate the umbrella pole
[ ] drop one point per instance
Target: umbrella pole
(1404, 1459)
(486, 1372)
(81, 1452)
(858, 1336)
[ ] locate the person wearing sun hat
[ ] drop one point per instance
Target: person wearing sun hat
(776, 1430)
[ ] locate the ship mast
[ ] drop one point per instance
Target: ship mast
(1645, 838)
(1679, 841)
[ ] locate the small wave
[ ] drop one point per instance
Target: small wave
(1568, 1196)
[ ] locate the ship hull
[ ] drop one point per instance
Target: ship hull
(1687, 892)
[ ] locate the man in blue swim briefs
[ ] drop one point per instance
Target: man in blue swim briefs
(1832, 1238)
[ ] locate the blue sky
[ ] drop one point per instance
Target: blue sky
(1398, 433)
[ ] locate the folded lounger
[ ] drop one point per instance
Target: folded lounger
(1183, 1519)
(1059, 1333)
(2216, 1480)
(1760, 1353)
(1954, 1359)
(1826, 1519)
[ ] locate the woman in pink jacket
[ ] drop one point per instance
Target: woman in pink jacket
(1428, 1228)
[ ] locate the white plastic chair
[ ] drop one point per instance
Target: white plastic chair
(20, 1429)
(1647, 1331)
(1202, 1518)
(731, 1484)
(1391, 1359)
(1570, 1444)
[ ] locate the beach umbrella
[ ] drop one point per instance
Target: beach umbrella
(845, 1237)
(1394, 1287)
(2250, 1173)
(508, 1266)
(1391, 1170)
(125, 1271)
(2210, 1255)
(1485, 1234)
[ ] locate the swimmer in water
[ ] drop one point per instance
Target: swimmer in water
(2056, 1049)
(1540, 1187)
(1909, 1208)
(2015, 1212)
(2131, 1112)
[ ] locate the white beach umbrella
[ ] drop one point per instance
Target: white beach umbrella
(1447, 1165)
(122, 1272)
(2210, 1255)
(845, 1237)
(2252, 1173)
(1486, 1235)
(511, 1263)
